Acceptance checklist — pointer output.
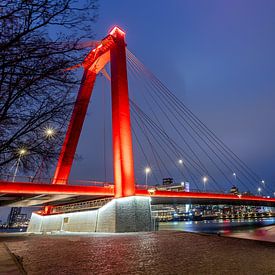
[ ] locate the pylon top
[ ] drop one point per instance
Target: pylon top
(115, 30)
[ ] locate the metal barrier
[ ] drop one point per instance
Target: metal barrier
(79, 206)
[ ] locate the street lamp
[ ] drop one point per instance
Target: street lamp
(147, 171)
(263, 182)
(235, 175)
(49, 132)
(180, 161)
(259, 190)
(21, 152)
(204, 179)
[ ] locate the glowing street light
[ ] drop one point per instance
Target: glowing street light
(204, 179)
(147, 171)
(259, 190)
(49, 132)
(180, 161)
(263, 182)
(21, 152)
(235, 175)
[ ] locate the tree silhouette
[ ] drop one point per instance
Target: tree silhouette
(39, 40)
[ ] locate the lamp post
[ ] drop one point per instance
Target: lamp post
(48, 133)
(204, 179)
(21, 153)
(147, 171)
(259, 190)
(235, 176)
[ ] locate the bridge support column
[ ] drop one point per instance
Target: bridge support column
(131, 214)
(68, 149)
(122, 139)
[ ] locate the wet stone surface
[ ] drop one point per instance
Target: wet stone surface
(143, 253)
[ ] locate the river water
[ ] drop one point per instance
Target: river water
(218, 226)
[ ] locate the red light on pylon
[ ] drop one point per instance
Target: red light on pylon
(117, 30)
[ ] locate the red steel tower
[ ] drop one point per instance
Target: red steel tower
(112, 48)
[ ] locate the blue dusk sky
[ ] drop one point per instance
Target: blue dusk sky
(216, 56)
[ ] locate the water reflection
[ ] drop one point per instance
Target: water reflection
(218, 226)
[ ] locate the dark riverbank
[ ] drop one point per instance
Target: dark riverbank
(163, 252)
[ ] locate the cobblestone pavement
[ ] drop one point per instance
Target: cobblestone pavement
(143, 253)
(7, 262)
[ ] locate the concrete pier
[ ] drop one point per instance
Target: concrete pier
(130, 214)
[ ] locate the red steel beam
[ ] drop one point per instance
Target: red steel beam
(54, 189)
(124, 179)
(198, 195)
(68, 149)
(92, 65)
(36, 188)
(111, 48)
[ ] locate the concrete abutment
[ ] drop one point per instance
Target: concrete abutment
(129, 214)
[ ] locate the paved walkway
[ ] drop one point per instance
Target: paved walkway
(8, 264)
(261, 234)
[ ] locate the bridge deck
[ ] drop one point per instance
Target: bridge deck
(31, 194)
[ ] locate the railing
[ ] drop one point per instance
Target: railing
(168, 188)
(94, 204)
(44, 180)
(90, 182)
(30, 179)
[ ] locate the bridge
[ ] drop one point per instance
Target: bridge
(24, 194)
(112, 49)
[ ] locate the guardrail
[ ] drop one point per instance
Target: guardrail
(94, 204)
(44, 180)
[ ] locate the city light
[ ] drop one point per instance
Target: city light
(234, 175)
(147, 171)
(49, 132)
(204, 179)
(262, 181)
(180, 161)
(151, 191)
(22, 152)
(259, 190)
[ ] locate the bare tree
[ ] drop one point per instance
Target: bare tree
(38, 40)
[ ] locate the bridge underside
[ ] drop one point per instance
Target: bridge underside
(34, 194)
(25, 200)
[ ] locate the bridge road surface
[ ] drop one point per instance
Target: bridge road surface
(34, 194)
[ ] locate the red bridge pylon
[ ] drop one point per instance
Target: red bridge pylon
(111, 49)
